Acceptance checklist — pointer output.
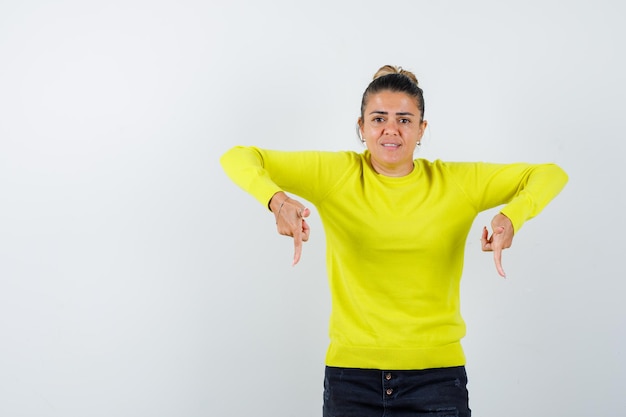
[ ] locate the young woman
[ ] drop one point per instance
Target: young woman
(396, 229)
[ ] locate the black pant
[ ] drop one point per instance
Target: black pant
(440, 392)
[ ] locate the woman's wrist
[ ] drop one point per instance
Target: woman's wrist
(277, 200)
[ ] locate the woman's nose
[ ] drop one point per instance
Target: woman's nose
(391, 128)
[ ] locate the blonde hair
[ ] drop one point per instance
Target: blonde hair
(391, 69)
(396, 79)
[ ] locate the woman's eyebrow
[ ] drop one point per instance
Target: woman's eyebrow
(403, 113)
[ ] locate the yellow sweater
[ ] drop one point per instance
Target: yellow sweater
(395, 245)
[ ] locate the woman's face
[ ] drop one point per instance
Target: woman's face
(391, 128)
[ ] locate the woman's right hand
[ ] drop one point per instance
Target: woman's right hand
(290, 217)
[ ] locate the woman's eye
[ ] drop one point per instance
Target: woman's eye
(378, 120)
(405, 121)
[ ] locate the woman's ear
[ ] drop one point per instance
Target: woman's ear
(423, 127)
(359, 130)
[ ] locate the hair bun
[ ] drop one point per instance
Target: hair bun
(392, 69)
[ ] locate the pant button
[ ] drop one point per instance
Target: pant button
(389, 391)
(388, 376)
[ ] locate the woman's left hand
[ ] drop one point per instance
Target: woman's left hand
(501, 238)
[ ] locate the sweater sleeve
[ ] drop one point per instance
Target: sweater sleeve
(543, 183)
(524, 189)
(308, 174)
(245, 167)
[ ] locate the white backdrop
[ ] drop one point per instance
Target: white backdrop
(136, 280)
